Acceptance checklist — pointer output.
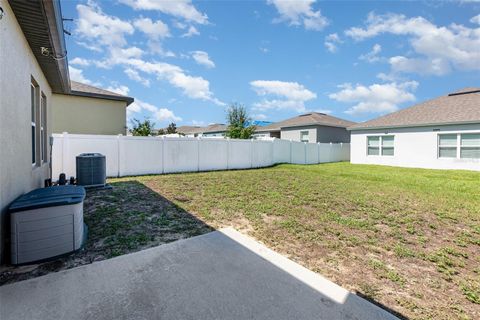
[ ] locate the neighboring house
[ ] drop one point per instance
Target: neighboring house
(34, 72)
(190, 131)
(212, 130)
(311, 127)
(89, 110)
(442, 133)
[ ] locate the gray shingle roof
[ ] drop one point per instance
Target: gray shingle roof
(215, 127)
(82, 89)
(312, 118)
(462, 106)
(189, 129)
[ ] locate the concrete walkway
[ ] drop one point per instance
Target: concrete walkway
(220, 275)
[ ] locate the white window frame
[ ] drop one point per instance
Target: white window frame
(302, 132)
(473, 146)
(43, 128)
(458, 146)
(33, 128)
(381, 146)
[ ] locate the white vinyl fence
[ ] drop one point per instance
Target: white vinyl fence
(127, 155)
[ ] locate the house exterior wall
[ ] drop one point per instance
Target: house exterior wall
(316, 134)
(414, 147)
(17, 67)
(294, 133)
(212, 134)
(332, 134)
(86, 115)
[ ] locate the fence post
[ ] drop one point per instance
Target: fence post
(228, 149)
(119, 155)
(65, 151)
(330, 153)
(163, 154)
(318, 152)
(252, 150)
(198, 154)
(291, 157)
(305, 152)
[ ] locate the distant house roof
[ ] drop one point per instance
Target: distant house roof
(42, 25)
(308, 119)
(462, 106)
(189, 129)
(212, 128)
(215, 127)
(85, 90)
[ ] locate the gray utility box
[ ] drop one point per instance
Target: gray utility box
(46, 223)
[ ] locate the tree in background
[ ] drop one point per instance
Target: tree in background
(144, 128)
(239, 123)
(172, 128)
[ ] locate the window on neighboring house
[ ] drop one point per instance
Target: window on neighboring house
(387, 145)
(33, 107)
(43, 128)
(373, 146)
(447, 145)
(470, 145)
(380, 145)
(304, 136)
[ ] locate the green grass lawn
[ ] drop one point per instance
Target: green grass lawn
(406, 238)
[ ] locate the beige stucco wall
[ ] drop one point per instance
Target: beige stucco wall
(85, 115)
(17, 66)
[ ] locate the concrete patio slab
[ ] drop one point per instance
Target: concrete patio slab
(219, 275)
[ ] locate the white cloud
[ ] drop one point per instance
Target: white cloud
(331, 42)
(286, 95)
(436, 66)
(159, 114)
(439, 49)
(164, 114)
(298, 13)
(80, 62)
(192, 31)
(178, 8)
(135, 76)
(88, 46)
(475, 19)
(202, 58)
(77, 75)
(109, 33)
(101, 29)
(120, 89)
(193, 87)
(376, 98)
(259, 116)
(155, 30)
(372, 56)
(157, 48)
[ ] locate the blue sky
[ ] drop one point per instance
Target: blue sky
(186, 61)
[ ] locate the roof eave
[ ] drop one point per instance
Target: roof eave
(53, 13)
(412, 125)
(42, 26)
(128, 100)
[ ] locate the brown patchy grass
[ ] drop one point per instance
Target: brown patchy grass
(408, 239)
